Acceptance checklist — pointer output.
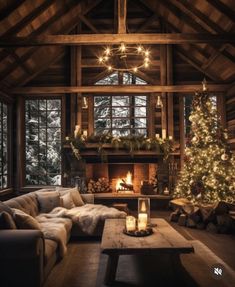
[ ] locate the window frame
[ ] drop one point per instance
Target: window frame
(9, 145)
(23, 140)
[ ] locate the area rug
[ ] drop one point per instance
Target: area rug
(198, 271)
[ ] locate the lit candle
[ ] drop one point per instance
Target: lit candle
(170, 138)
(142, 221)
(166, 191)
(163, 134)
(77, 127)
(85, 133)
(67, 138)
(130, 223)
(76, 131)
(157, 136)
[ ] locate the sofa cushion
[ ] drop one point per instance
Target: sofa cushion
(6, 221)
(6, 208)
(75, 194)
(48, 201)
(24, 220)
(67, 201)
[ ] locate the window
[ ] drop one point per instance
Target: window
(3, 146)
(120, 115)
(43, 141)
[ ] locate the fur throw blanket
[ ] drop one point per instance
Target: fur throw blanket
(87, 216)
(55, 229)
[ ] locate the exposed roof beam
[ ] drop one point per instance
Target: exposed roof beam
(146, 23)
(5, 13)
(28, 18)
(122, 16)
(118, 89)
(222, 8)
(102, 39)
(88, 23)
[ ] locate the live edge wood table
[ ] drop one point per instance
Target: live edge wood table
(165, 241)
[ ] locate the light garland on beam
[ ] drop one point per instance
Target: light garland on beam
(118, 58)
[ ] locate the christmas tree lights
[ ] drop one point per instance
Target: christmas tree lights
(208, 174)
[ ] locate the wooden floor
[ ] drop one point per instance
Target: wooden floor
(80, 266)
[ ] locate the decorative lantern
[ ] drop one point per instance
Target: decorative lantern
(143, 213)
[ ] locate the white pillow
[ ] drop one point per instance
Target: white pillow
(76, 196)
(67, 201)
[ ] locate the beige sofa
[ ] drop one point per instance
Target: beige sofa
(26, 256)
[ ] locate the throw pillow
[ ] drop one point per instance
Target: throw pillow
(24, 220)
(4, 207)
(48, 201)
(67, 201)
(76, 196)
(6, 221)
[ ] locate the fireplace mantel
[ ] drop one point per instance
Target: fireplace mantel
(91, 155)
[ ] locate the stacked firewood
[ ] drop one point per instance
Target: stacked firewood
(215, 218)
(101, 185)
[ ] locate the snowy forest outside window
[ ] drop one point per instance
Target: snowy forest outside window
(187, 111)
(3, 146)
(120, 115)
(43, 141)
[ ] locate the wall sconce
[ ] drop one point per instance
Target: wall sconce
(84, 103)
(159, 103)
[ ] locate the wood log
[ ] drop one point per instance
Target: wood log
(207, 212)
(182, 220)
(126, 185)
(200, 225)
(212, 228)
(174, 216)
(178, 203)
(221, 208)
(190, 223)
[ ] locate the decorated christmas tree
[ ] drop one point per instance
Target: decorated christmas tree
(208, 174)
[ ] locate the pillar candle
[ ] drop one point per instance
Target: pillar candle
(163, 134)
(157, 136)
(130, 223)
(142, 221)
(170, 138)
(85, 133)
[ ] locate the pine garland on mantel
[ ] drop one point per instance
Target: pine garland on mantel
(131, 143)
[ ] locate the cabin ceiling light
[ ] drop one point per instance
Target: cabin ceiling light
(125, 58)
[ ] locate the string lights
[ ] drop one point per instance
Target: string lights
(125, 58)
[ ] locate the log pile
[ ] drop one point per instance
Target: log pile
(215, 218)
(101, 185)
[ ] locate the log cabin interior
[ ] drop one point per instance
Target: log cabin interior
(117, 141)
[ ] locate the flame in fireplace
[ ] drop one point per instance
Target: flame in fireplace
(127, 180)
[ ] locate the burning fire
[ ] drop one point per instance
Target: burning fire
(122, 184)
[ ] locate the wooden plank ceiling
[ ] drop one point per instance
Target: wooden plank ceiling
(20, 66)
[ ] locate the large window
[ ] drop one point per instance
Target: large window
(120, 115)
(3, 146)
(43, 141)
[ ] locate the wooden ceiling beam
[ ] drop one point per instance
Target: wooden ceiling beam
(147, 23)
(118, 89)
(5, 13)
(28, 18)
(88, 23)
(222, 8)
(122, 7)
(183, 55)
(102, 39)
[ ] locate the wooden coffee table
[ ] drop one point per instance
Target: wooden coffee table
(165, 241)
